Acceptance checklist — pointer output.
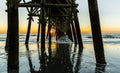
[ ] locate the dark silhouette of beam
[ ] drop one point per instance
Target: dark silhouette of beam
(77, 27)
(74, 32)
(29, 27)
(12, 42)
(96, 32)
(69, 33)
(38, 36)
(47, 5)
(43, 25)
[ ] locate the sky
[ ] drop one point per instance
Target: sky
(109, 12)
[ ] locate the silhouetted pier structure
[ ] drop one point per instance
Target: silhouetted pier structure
(62, 13)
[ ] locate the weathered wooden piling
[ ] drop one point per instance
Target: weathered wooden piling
(49, 27)
(72, 23)
(49, 34)
(29, 27)
(77, 27)
(43, 22)
(69, 33)
(96, 32)
(38, 31)
(76, 23)
(74, 32)
(12, 42)
(50, 37)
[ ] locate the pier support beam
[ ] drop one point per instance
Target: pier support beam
(43, 26)
(76, 21)
(50, 37)
(12, 42)
(29, 27)
(74, 32)
(96, 32)
(69, 33)
(38, 31)
(49, 28)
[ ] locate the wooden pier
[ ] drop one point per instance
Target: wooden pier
(63, 13)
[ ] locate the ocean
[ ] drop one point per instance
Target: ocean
(64, 60)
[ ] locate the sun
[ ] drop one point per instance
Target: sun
(52, 31)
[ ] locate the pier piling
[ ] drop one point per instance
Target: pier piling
(43, 26)
(38, 36)
(96, 32)
(12, 42)
(29, 27)
(77, 27)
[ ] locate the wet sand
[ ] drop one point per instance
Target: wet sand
(62, 58)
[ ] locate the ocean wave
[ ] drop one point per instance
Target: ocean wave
(22, 34)
(86, 38)
(104, 36)
(111, 36)
(2, 39)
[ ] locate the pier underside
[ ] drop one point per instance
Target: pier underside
(60, 15)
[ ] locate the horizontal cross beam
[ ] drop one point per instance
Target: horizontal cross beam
(51, 15)
(47, 5)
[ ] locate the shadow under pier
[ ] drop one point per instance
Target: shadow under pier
(55, 60)
(60, 62)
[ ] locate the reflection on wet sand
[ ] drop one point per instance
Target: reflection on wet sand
(64, 58)
(58, 61)
(100, 68)
(29, 60)
(78, 62)
(61, 61)
(13, 60)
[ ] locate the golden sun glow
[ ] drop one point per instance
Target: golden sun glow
(52, 31)
(83, 30)
(34, 29)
